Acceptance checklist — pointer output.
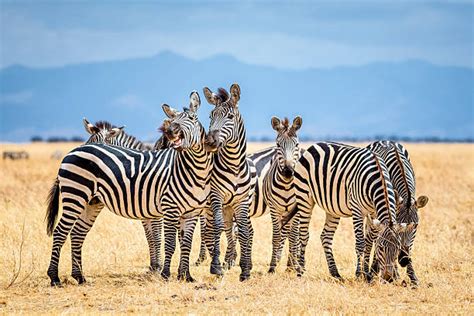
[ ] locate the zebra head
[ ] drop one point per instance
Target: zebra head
(102, 132)
(387, 247)
(225, 120)
(183, 129)
(288, 151)
(408, 213)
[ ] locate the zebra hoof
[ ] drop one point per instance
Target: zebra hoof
(186, 277)
(55, 282)
(165, 274)
(244, 277)
(155, 268)
(271, 270)
(216, 269)
(80, 279)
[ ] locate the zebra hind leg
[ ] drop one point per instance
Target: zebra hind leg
(327, 235)
(78, 234)
(72, 208)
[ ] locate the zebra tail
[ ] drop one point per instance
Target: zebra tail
(53, 207)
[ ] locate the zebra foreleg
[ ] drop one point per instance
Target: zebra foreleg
(294, 246)
(276, 241)
(231, 252)
(369, 241)
(78, 234)
(327, 235)
(218, 225)
(243, 223)
(358, 225)
(185, 245)
(305, 218)
(171, 228)
(202, 248)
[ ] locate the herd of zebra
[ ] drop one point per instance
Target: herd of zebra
(191, 175)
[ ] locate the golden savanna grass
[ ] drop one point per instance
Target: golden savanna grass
(115, 256)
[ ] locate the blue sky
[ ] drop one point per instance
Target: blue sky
(295, 35)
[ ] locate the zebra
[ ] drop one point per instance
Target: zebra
(401, 172)
(172, 183)
(103, 132)
(259, 162)
(231, 179)
(347, 181)
(279, 192)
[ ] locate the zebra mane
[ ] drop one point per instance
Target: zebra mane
(402, 168)
(104, 125)
(287, 128)
(222, 94)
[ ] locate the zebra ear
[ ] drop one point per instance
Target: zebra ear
(210, 96)
(194, 101)
(297, 122)
(422, 201)
(235, 94)
(91, 129)
(114, 132)
(169, 111)
(276, 123)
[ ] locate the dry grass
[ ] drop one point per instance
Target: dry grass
(115, 255)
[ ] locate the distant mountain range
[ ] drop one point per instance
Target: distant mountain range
(411, 98)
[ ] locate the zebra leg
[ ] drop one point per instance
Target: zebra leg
(358, 223)
(185, 245)
(243, 223)
(78, 234)
(305, 218)
(369, 242)
(294, 238)
(276, 240)
(72, 209)
(153, 236)
(171, 222)
(327, 235)
(202, 248)
(218, 226)
(231, 252)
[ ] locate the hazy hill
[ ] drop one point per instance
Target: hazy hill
(411, 98)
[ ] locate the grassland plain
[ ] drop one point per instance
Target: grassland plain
(115, 254)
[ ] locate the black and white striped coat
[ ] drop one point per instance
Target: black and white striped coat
(103, 132)
(137, 185)
(231, 181)
(402, 175)
(345, 181)
(279, 190)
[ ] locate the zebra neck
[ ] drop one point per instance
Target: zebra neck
(277, 174)
(197, 162)
(233, 157)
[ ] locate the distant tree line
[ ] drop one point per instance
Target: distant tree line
(57, 139)
(353, 139)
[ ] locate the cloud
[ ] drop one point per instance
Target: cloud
(281, 35)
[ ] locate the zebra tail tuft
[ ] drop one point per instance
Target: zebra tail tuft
(53, 207)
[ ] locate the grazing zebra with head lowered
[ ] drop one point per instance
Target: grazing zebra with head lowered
(231, 176)
(346, 181)
(103, 132)
(402, 175)
(173, 183)
(279, 191)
